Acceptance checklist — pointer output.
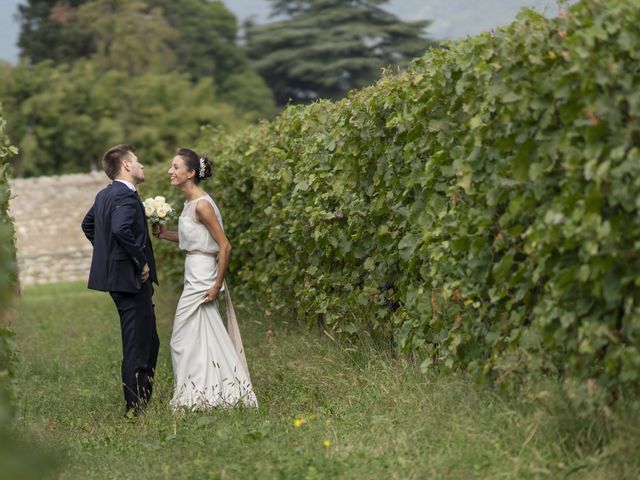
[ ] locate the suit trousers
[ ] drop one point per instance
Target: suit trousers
(140, 344)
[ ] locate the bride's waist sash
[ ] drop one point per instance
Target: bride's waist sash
(200, 252)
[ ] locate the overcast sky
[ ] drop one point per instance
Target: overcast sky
(451, 18)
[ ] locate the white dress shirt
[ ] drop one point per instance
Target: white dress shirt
(128, 184)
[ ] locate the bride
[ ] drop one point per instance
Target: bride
(209, 365)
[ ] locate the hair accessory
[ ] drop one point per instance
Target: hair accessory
(201, 167)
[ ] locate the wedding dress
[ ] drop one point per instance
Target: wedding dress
(209, 364)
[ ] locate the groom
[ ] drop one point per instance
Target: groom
(123, 265)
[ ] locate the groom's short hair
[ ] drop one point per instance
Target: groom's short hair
(112, 160)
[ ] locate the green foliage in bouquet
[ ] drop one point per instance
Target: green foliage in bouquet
(158, 210)
(479, 210)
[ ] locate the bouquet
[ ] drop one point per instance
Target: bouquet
(158, 210)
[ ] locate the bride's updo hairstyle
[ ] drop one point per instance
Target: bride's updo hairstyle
(194, 162)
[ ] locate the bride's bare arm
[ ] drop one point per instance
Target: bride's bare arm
(159, 232)
(207, 216)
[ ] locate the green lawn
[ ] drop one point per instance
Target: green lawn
(365, 415)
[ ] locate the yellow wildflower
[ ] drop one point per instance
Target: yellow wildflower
(326, 443)
(298, 422)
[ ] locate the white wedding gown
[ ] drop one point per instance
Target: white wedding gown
(209, 367)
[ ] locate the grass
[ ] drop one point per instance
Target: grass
(360, 413)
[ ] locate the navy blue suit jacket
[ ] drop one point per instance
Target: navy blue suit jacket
(117, 228)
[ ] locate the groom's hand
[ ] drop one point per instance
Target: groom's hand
(145, 273)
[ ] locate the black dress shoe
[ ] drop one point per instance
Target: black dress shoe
(133, 412)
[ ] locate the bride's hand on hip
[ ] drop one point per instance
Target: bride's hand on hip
(211, 295)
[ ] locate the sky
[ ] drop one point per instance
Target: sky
(452, 19)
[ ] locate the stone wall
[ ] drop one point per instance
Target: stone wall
(48, 212)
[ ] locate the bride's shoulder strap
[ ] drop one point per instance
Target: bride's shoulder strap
(190, 208)
(207, 199)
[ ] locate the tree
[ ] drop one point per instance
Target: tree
(47, 31)
(324, 48)
(198, 37)
(128, 35)
(63, 117)
(125, 34)
(154, 72)
(195, 37)
(206, 44)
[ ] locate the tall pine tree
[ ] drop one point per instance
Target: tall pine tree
(324, 48)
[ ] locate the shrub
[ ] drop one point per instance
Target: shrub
(18, 459)
(8, 280)
(479, 209)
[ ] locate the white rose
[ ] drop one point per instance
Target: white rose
(160, 199)
(148, 211)
(162, 212)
